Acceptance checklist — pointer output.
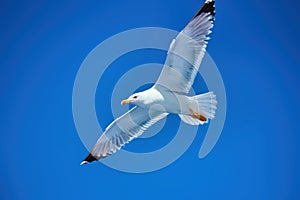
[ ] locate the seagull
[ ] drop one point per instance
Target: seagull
(169, 95)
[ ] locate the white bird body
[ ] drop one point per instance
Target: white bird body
(168, 95)
(168, 101)
(163, 100)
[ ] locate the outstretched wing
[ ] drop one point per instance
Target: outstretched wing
(187, 51)
(121, 131)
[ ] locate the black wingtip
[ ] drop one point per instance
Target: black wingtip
(208, 7)
(88, 159)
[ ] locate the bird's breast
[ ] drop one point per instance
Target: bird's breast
(170, 102)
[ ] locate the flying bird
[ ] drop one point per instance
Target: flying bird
(169, 93)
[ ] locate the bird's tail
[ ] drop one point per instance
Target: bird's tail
(207, 104)
(203, 107)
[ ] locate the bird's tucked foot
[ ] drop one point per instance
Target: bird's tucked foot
(197, 115)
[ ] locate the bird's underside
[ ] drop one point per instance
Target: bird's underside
(184, 57)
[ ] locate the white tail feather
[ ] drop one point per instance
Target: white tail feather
(204, 104)
(207, 104)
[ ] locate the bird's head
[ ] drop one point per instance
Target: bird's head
(136, 99)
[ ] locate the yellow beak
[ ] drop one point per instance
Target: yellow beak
(127, 101)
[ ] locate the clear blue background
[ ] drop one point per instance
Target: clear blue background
(256, 47)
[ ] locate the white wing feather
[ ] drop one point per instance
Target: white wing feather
(124, 129)
(186, 52)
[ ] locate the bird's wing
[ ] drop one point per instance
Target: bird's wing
(121, 131)
(187, 51)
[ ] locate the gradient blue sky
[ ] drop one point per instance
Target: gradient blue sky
(256, 47)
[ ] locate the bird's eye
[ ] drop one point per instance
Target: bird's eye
(134, 97)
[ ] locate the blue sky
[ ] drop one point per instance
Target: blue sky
(256, 48)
